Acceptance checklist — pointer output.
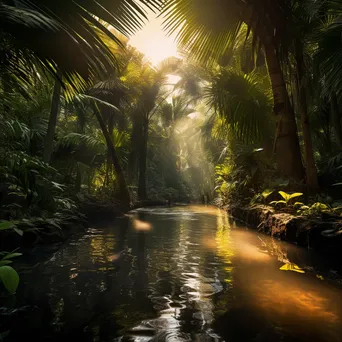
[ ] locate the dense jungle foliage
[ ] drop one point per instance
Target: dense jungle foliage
(251, 108)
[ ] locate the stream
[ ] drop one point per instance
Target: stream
(185, 273)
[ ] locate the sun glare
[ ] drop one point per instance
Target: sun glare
(153, 42)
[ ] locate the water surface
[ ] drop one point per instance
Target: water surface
(178, 274)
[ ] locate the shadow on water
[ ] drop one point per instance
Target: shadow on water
(177, 274)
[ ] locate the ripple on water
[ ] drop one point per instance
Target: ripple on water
(186, 275)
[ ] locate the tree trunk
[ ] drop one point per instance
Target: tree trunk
(7, 93)
(109, 164)
(56, 98)
(288, 155)
(336, 119)
(78, 180)
(142, 188)
(124, 194)
(133, 156)
(311, 170)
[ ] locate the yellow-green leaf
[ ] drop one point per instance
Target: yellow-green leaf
(5, 262)
(284, 195)
(296, 194)
(291, 267)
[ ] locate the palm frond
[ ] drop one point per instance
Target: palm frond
(328, 58)
(204, 29)
(76, 140)
(241, 103)
(67, 33)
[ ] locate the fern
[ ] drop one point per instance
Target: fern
(77, 139)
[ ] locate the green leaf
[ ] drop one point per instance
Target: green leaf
(9, 278)
(18, 231)
(6, 225)
(5, 262)
(12, 255)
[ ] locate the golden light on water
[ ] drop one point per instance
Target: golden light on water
(288, 299)
(252, 253)
(141, 225)
(209, 210)
(224, 243)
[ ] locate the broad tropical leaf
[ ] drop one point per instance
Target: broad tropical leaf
(287, 197)
(10, 278)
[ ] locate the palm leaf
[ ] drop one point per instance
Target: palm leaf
(76, 139)
(328, 57)
(66, 32)
(241, 103)
(204, 29)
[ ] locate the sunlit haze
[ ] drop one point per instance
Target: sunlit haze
(153, 42)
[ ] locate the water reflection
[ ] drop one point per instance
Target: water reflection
(178, 274)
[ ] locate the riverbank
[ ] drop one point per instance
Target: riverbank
(26, 233)
(321, 233)
(115, 282)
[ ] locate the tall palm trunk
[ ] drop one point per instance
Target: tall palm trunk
(6, 89)
(55, 104)
(78, 180)
(288, 155)
(133, 156)
(311, 170)
(109, 164)
(336, 119)
(124, 193)
(142, 187)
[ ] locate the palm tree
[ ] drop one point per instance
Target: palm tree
(243, 105)
(68, 33)
(209, 29)
(124, 195)
(327, 62)
(65, 38)
(55, 104)
(308, 16)
(147, 83)
(143, 112)
(300, 42)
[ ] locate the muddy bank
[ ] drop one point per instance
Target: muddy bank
(322, 234)
(37, 231)
(96, 211)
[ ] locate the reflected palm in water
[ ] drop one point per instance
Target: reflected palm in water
(178, 274)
